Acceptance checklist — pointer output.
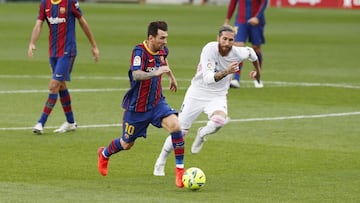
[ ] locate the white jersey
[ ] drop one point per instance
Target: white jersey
(203, 84)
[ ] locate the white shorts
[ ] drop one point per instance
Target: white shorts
(193, 107)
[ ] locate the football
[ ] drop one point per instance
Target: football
(194, 178)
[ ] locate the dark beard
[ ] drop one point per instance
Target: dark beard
(223, 52)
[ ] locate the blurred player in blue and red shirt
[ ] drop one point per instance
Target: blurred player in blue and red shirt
(249, 25)
(144, 102)
(60, 15)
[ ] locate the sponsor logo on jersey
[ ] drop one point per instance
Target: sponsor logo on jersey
(151, 69)
(56, 20)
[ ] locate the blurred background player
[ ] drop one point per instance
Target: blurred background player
(144, 102)
(60, 16)
(249, 25)
(208, 90)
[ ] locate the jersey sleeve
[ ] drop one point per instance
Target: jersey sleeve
(163, 53)
(251, 54)
(41, 14)
(137, 59)
(243, 53)
(207, 64)
(75, 8)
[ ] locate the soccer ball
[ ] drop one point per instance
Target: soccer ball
(194, 178)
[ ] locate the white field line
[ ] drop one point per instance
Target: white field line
(204, 121)
(266, 83)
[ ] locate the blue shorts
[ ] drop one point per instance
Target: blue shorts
(62, 67)
(135, 124)
(245, 31)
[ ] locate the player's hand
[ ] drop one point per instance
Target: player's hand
(233, 67)
(31, 50)
(162, 69)
(253, 21)
(173, 85)
(95, 53)
(254, 75)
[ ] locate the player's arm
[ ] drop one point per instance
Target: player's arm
(209, 74)
(142, 75)
(86, 28)
(34, 37)
(255, 74)
(232, 68)
(173, 83)
(230, 11)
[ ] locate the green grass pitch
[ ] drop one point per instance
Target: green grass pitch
(295, 140)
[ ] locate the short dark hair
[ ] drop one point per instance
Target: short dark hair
(226, 28)
(155, 25)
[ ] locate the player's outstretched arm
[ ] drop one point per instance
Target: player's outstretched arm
(142, 75)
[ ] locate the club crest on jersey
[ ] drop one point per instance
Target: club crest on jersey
(62, 10)
(137, 61)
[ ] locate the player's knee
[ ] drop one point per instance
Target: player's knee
(218, 121)
(171, 123)
(54, 86)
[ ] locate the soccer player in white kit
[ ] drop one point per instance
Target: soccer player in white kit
(208, 90)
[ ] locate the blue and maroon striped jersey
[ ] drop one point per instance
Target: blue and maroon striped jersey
(145, 94)
(247, 9)
(60, 16)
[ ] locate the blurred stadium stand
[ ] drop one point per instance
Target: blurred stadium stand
(216, 2)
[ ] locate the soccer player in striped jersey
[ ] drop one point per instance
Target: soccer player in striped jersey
(60, 16)
(249, 24)
(144, 103)
(208, 90)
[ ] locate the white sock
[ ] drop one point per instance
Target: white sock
(180, 165)
(213, 125)
(165, 151)
(208, 129)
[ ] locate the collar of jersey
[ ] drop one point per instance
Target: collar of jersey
(148, 49)
(55, 1)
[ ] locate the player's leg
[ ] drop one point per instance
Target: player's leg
(172, 124)
(159, 167)
(64, 71)
(54, 87)
(217, 114)
(190, 110)
(163, 116)
(114, 147)
(131, 130)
